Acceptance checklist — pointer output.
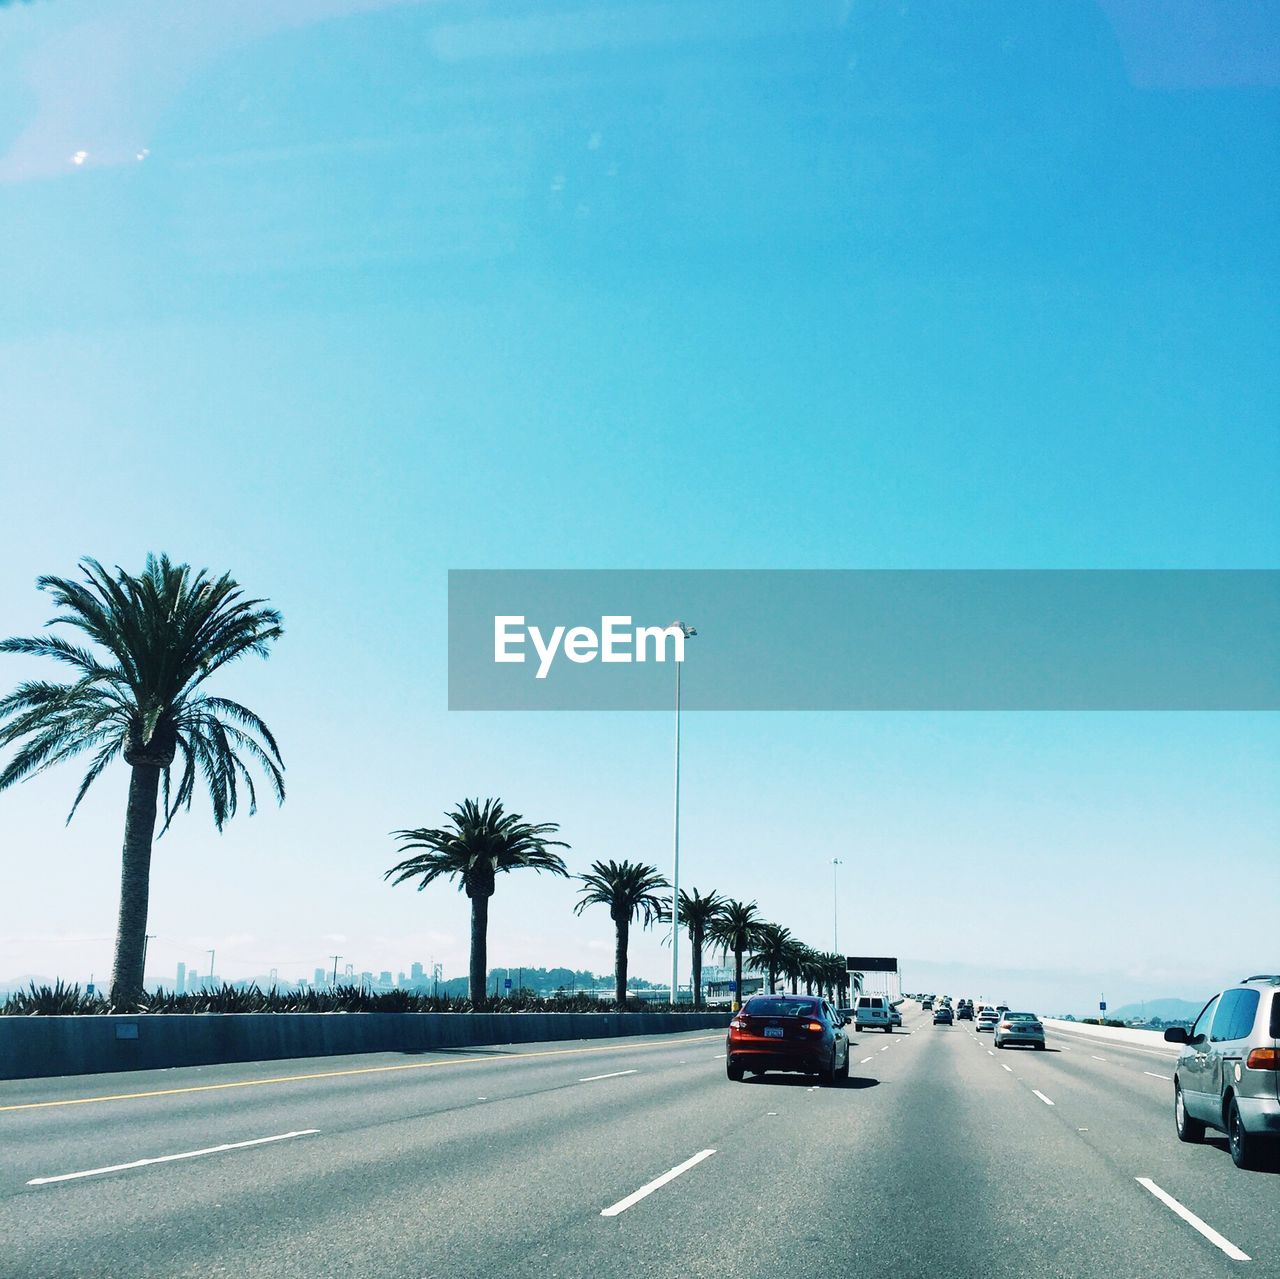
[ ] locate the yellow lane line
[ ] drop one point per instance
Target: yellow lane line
(338, 1074)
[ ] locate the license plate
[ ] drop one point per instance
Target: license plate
(773, 1032)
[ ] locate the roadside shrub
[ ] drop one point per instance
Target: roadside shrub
(63, 1000)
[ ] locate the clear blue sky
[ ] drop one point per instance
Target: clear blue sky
(345, 294)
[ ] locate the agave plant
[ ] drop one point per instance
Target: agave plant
(58, 1000)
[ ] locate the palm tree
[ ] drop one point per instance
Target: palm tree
(630, 890)
(736, 929)
(812, 970)
(697, 913)
(155, 638)
(772, 952)
(795, 963)
(831, 975)
(477, 844)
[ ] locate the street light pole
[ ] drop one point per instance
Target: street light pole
(835, 906)
(688, 632)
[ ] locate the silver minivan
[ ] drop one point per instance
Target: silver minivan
(1228, 1073)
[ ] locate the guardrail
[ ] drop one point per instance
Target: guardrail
(40, 1047)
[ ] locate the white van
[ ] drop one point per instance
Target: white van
(872, 1012)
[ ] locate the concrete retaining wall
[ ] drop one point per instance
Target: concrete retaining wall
(1153, 1040)
(36, 1047)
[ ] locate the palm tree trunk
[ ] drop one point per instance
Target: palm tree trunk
(737, 978)
(479, 949)
(620, 963)
(135, 887)
(697, 968)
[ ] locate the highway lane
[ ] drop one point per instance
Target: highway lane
(1119, 1100)
(933, 1161)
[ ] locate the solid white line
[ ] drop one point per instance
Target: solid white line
(656, 1184)
(1193, 1221)
(613, 1074)
(1153, 1075)
(168, 1159)
(1042, 1097)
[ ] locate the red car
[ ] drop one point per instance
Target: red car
(788, 1032)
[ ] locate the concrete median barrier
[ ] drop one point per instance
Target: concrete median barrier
(1150, 1039)
(39, 1047)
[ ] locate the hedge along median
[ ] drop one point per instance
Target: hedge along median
(38, 1047)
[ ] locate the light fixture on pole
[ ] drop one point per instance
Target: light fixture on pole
(835, 906)
(688, 632)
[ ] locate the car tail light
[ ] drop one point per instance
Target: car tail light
(738, 1026)
(1264, 1059)
(813, 1025)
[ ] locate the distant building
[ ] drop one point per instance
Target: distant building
(319, 977)
(180, 986)
(384, 980)
(417, 975)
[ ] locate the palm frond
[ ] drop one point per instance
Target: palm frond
(164, 631)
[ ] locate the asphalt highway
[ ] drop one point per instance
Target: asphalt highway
(939, 1157)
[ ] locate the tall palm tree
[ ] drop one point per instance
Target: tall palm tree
(772, 952)
(697, 913)
(154, 639)
(736, 930)
(795, 963)
(478, 843)
(630, 890)
(831, 975)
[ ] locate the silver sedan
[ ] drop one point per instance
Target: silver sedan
(1019, 1028)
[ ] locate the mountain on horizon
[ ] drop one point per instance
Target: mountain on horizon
(1166, 1009)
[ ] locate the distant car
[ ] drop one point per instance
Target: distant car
(927, 1005)
(1019, 1028)
(943, 1016)
(987, 1019)
(872, 1013)
(964, 1012)
(787, 1032)
(895, 1016)
(1228, 1073)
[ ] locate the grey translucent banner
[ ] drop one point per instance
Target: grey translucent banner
(1077, 640)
